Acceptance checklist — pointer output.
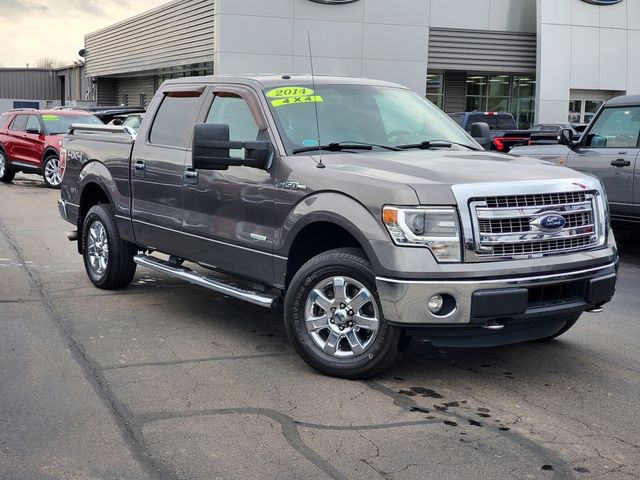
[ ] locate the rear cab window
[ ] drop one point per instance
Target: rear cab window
(496, 121)
(174, 119)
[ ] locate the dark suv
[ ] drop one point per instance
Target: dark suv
(30, 141)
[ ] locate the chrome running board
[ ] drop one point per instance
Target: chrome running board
(207, 281)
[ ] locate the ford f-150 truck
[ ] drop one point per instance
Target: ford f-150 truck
(356, 203)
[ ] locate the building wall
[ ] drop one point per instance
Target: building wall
(178, 33)
(585, 47)
(370, 38)
(29, 84)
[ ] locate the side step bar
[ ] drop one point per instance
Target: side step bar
(217, 284)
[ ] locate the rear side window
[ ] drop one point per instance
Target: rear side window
(173, 120)
(19, 123)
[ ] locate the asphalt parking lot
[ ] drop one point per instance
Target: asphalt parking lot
(168, 381)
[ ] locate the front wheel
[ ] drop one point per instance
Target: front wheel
(334, 319)
(52, 174)
(108, 259)
(6, 175)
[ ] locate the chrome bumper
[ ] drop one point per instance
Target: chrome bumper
(62, 210)
(405, 302)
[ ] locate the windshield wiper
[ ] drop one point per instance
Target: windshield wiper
(334, 147)
(427, 144)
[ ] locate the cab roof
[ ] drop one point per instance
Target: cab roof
(624, 101)
(281, 80)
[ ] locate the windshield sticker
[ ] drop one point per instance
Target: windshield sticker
(293, 100)
(50, 118)
(283, 92)
(310, 142)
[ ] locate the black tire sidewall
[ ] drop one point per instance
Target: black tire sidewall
(8, 173)
(100, 213)
(44, 169)
(301, 286)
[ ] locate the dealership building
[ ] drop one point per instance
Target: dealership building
(542, 60)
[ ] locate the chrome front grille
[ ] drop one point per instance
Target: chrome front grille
(514, 225)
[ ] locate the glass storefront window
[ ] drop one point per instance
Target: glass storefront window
(503, 93)
(435, 89)
(583, 111)
(591, 107)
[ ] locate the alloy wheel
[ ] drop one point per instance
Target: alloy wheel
(342, 317)
(98, 248)
(52, 172)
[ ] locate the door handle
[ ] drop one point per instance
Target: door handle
(621, 162)
(139, 165)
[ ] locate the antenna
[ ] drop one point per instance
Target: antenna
(315, 104)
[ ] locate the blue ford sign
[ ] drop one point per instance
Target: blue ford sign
(550, 223)
(602, 2)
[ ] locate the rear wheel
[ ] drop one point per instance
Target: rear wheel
(108, 259)
(52, 174)
(6, 175)
(334, 319)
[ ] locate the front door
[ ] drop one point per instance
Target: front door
(229, 214)
(157, 170)
(610, 152)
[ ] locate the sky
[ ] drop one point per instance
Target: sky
(33, 29)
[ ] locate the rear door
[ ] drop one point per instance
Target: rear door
(610, 151)
(157, 169)
(16, 139)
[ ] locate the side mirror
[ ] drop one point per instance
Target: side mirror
(481, 132)
(33, 131)
(565, 137)
(211, 149)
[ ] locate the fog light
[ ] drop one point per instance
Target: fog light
(435, 304)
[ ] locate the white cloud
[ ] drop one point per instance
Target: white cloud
(32, 29)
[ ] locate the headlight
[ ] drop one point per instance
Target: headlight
(435, 228)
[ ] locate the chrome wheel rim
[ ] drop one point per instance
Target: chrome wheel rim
(3, 165)
(342, 317)
(52, 172)
(98, 248)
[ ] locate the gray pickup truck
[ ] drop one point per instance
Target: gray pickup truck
(609, 149)
(357, 204)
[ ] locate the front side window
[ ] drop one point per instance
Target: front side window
(173, 120)
(367, 114)
(33, 124)
(233, 111)
(616, 128)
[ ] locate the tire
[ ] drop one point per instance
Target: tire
(51, 172)
(354, 341)
(6, 174)
(567, 326)
(108, 259)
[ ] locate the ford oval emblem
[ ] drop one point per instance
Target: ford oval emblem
(551, 223)
(602, 2)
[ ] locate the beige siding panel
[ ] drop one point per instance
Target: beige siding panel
(178, 33)
(470, 50)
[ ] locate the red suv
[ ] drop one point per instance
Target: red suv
(30, 141)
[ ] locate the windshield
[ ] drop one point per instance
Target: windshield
(378, 116)
(58, 124)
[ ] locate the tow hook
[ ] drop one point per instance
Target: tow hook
(72, 235)
(493, 325)
(596, 309)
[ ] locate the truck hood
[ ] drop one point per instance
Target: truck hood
(432, 173)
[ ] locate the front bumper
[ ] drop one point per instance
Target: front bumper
(505, 299)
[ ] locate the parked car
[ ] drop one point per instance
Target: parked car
(608, 149)
(107, 114)
(357, 203)
(502, 133)
(30, 141)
